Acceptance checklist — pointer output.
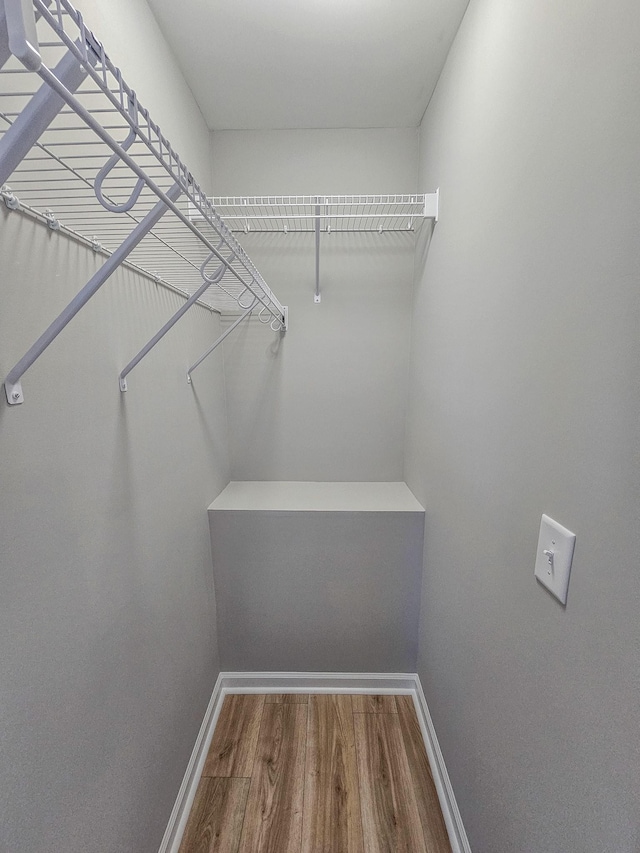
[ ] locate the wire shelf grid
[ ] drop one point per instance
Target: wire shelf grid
(65, 171)
(333, 213)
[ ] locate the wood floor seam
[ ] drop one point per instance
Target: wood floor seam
(305, 787)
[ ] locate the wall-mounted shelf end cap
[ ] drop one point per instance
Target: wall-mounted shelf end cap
(431, 205)
(13, 390)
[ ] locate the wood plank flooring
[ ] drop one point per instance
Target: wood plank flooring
(293, 773)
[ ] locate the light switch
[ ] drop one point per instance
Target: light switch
(554, 556)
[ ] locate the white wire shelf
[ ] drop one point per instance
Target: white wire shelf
(330, 213)
(58, 174)
(325, 214)
(78, 150)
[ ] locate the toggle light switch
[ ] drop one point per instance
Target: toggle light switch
(554, 557)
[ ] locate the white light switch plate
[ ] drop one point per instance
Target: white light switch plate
(554, 567)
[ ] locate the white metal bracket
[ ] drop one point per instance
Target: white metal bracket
(317, 297)
(11, 200)
(93, 285)
(13, 390)
(431, 205)
(52, 222)
(224, 335)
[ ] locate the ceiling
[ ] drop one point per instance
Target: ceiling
(263, 64)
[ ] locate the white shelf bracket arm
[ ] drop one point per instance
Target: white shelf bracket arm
(316, 297)
(12, 385)
(220, 339)
(36, 117)
(206, 284)
(5, 50)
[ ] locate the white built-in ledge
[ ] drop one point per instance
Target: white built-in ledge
(317, 577)
(316, 497)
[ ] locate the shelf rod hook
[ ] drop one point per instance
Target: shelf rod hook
(316, 296)
(12, 384)
(105, 171)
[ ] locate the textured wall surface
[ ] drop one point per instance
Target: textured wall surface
(317, 591)
(328, 401)
(107, 611)
(524, 400)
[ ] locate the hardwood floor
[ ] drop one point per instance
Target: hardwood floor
(293, 773)
(233, 747)
(273, 819)
(332, 819)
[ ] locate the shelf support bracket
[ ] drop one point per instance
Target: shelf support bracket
(431, 205)
(12, 386)
(36, 117)
(220, 339)
(5, 50)
(206, 284)
(316, 297)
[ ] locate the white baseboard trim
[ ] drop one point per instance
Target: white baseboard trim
(448, 804)
(315, 682)
(318, 682)
(180, 814)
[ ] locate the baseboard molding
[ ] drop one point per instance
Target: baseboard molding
(318, 682)
(315, 682)
(448, 804)
(178, 820)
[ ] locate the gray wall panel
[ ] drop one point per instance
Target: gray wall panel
(328, 401)
(524, 400)
(107, 610)
(317, 591)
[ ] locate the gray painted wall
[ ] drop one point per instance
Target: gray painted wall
(327, 401)
(524, 399)
(107, 611)
(317, 591)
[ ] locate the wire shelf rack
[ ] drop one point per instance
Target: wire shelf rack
(330, 213)
(71, 178)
